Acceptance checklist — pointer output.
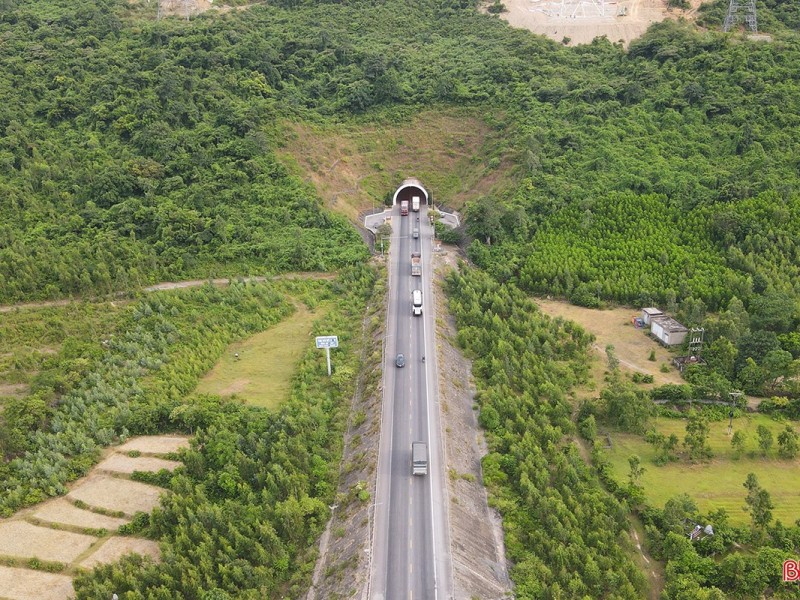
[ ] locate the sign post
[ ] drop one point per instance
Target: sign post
(328, 342)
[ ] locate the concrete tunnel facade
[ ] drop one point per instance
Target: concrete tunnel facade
(408, 189)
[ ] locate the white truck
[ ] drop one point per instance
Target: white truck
(416, 264)
(416, 303)
(415, 203)
(419, 458)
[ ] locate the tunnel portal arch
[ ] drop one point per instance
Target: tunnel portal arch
(408, 189)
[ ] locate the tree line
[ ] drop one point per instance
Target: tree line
(564, 532)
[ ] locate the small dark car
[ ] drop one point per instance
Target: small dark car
(400, 361)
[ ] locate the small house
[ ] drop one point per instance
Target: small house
(668, 330)
(649, 313)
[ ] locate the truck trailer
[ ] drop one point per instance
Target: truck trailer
(416, 264)
(419, 458)
(404, 208)
(415, 203)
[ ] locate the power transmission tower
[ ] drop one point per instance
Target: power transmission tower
(696, 341)
(187, 7)
(735, 8)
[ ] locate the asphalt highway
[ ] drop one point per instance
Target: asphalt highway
(410, 557)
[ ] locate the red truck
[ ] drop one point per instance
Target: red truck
(404, 208)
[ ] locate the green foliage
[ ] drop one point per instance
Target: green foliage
(697, 432)
(765, 439)
(588, 428)
(254, 493)
(666, 446)
(139, 160)
(788, 443)
(738, 442)
(554, 509)
(627, 408)
(759, 502)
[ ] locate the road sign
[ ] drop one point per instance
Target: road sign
(327, 341)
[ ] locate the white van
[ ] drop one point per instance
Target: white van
(416, 303)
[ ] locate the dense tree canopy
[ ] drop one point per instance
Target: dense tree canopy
(132, 150)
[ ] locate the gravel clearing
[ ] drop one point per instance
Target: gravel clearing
(115, 494)
(119, 463)
(25, 584)
(476, 536)
(580, 21)
(23, 540)
(61, 511)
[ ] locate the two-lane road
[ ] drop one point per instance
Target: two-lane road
(410, 554)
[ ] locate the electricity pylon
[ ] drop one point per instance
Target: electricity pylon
(738, 6)
(187, 7)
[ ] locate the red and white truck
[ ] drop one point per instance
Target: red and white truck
(404, 208)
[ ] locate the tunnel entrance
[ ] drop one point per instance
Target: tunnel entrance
(408, 189)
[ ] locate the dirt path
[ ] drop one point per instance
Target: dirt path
(164, 286)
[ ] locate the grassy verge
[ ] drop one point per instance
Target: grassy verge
(260, 368)
(717, 483)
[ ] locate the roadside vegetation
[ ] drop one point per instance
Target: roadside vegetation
(565, 534)
(254, 494)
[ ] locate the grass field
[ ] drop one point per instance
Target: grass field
(613, 326)
(30, 338)
(262, 374)
(719, 482)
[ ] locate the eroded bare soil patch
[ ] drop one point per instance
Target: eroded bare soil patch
(119, 463)
(23, 540)
(116, 495)
(353, 168)
(580, 21)
(155, 444)
(61, 511)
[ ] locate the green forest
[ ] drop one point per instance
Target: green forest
(134, 150)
